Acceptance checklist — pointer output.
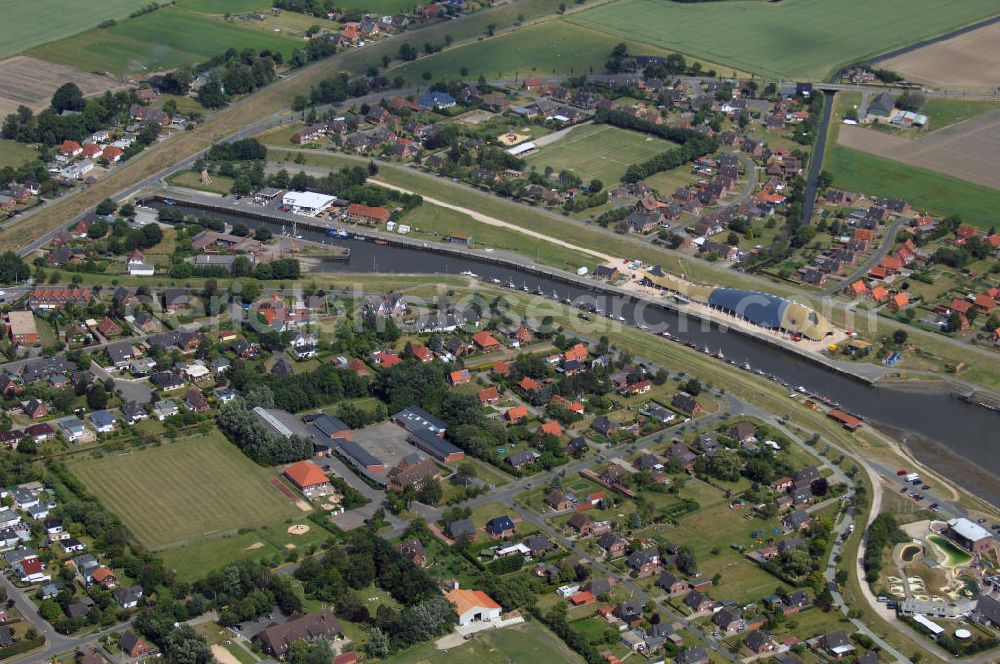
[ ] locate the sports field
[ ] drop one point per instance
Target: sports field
(185, 490)
(167, 38)
(28, 24)
(797, 39)
(598, 151)
(926, 190)
(552, 47)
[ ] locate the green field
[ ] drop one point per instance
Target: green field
(186, 490)
(527, 643)
(598, 151)
(926, 190)
(804, 39)
(14, 154)
(944, 112)
(225, 6)
(166, 38)
(220, 184)
(28, 24)
(553, 47)
(437, 222)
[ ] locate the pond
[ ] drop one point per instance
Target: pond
(954, 557)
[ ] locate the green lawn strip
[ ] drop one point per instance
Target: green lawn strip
(939, 194)
(239, 652)
(436, 223)
(945, 112)
(220, 184)
(815, 38)
(599, 152)
(169, 37)
(192, 489)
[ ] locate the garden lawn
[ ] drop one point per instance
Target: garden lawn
(552, 47)
(527, 643)
(166, 38)
(599, 152)
(796, 39)
(188, 490)
(925, 190)
(15, 154)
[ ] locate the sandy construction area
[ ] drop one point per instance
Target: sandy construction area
(968, 150)
(31, 82)
(970, 61)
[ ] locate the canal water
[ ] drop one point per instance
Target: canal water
(947, 434)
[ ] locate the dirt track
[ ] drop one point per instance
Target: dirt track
(967, 150)
(970, 61)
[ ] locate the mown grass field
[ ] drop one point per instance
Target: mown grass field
(553, 47)
(220, 184)
(28, 24)
(185, 490)
(169, 37)
(438, 222)
(926, 190)
(598, 151)
(804, 39)
(14, 154)
(524, 644)
(945, 112)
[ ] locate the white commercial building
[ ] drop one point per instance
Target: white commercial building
(307, 202)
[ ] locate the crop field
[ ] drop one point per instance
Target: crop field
(31, 82)
(186, 490)
(968, 61)
(167, 38)
(804, 39)
(926, 190)
(553, 47)
(598, 151)
(29, 24)
(967, 151)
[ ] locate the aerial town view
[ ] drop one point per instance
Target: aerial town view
(500, 331)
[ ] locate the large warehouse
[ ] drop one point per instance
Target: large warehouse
(308, 203)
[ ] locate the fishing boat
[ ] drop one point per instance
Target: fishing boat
(340, 233)
(469, 273)
(381, 242)
(168, 201)
(359, 238)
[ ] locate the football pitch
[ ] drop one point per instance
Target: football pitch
(186, 490)
(598, 152)
(794, 39)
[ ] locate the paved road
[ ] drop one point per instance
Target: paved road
(55, 643)
(816, 159)
(887, 244)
